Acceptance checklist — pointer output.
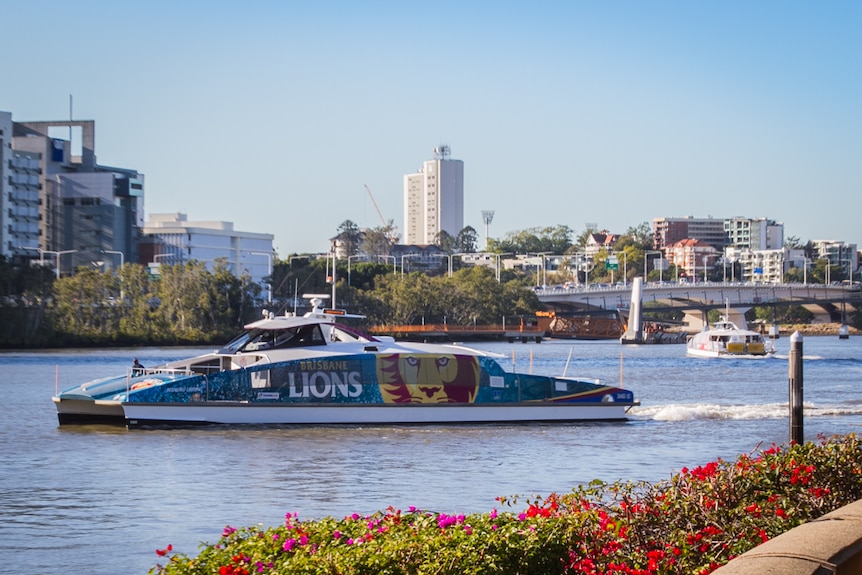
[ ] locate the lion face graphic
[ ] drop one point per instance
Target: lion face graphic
(427, 378)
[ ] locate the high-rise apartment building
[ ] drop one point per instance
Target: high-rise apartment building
(434, 199)
(838, 253)
(754, 233)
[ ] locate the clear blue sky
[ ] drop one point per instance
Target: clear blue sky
(274, 115)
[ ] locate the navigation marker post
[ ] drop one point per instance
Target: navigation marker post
(795, 370)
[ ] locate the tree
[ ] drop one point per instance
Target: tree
(349, 236)
(584, 237)
(793, 242)
(467, 240)
(554, 240)
(197, 305)
(471, 294)
(139, 301)
(445, 241)
(377, 241)
(641, 236)
(87, 307)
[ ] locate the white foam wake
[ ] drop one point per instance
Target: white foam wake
(704, 411)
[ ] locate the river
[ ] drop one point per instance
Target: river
(100, 500)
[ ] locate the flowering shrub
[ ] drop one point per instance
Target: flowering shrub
(692, 523)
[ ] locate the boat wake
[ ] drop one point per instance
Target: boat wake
(786, 356)
(705, 411)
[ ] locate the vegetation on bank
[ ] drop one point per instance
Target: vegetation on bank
(188, 304)
(191, 303)
(694, 522)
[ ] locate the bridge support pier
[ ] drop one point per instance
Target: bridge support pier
(697, 319)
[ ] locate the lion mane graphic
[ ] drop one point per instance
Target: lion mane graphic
(427, 378)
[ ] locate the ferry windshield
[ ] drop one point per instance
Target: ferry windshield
(262, 339)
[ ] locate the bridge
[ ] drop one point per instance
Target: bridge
(829, 303)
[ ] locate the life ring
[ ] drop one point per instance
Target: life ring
(145, 383)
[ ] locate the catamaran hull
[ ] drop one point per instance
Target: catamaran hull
(146, 415)
(71, 411)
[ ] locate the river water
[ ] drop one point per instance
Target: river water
(100, 500)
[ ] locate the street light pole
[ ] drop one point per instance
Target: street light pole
(56, 255)
(269, 271)
(334, 255)
(498, 257)
(122, 256)
(394, 262)
(625, 267)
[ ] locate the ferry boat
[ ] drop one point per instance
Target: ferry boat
(315, 370)
(726, 339)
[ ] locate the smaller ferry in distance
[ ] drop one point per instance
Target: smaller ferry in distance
(726, 339)
(313, 370)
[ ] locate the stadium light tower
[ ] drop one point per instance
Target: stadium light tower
(487, 217)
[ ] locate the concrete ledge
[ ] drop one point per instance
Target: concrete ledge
(830, 544)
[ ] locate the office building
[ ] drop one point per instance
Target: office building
(434, 199)
(668, 231)
(58, 202)
(173, 239)
(20, 188)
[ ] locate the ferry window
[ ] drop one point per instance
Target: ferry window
(235, 344)
(282, 339)
(310, 335)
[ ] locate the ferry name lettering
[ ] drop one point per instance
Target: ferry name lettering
(323, 365)
(322, 384)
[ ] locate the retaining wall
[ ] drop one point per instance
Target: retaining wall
(830, 544)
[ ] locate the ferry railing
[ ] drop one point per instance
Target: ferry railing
(454, 329)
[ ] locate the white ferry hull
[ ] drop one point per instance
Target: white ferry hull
(86, 410)
(142, 415)
(693, 352)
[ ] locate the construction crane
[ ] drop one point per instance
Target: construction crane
(389, 227)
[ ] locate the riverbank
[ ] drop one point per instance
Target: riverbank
(815, 329)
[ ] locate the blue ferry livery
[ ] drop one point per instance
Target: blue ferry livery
(313, 370)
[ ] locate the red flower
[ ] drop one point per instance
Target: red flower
(165, 551)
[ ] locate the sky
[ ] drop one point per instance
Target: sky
(276, 115)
